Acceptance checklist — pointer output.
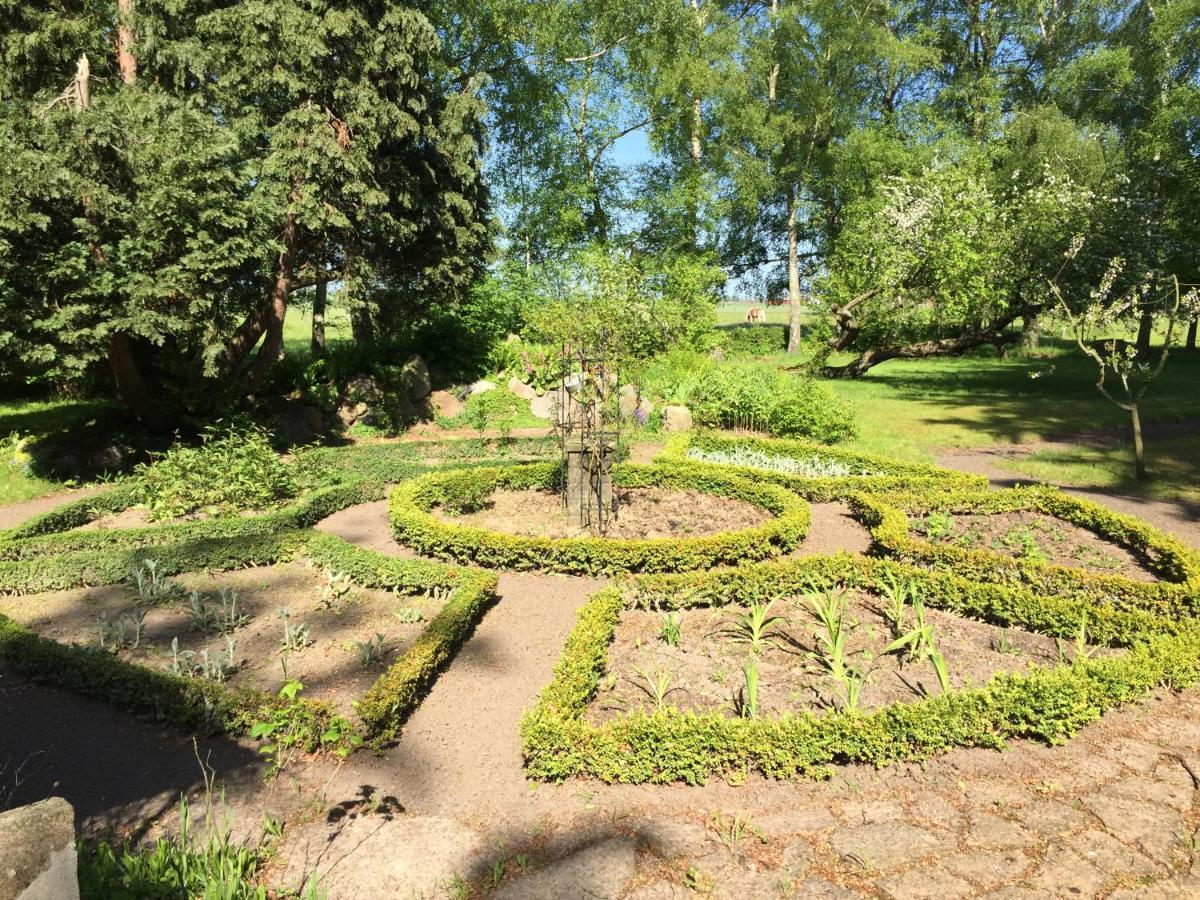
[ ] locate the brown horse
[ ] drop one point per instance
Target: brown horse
(756, 315)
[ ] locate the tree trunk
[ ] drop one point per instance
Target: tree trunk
(318, 323)
(272, 344)
(1139, 450)
(1145, 332)
(1031, 330)
(868, 359)
(361, 326)
(126, 61)
(1190, 343)
(132, 389)
(794, 297)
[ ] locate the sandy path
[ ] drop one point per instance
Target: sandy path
(16, 513)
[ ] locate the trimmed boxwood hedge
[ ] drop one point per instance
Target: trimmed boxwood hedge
(884, 474)
(414, 524)
(43, 554)
(1178, 593)
(670, 745)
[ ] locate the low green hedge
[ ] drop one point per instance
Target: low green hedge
(1179, 566)
(670, 745)
(867, 472)
(414, 524)
(45, 555)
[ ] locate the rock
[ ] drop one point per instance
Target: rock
(349, 413)
(37, 852)
(445, 404)
(544, 407)
(415, 375)
(481, 387)
(925, 884)
(673, 839)
(364, 389)
(596, 871)
(298, 424)
(987, 867)
(628, 400)
(406, 856)
(885, 844)
(521, 389)
(677, 418)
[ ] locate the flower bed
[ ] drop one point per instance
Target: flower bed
(414, 524)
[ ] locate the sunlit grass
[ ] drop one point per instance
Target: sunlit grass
(34, 419)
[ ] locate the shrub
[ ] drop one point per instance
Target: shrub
(764, 399)
(233, 469)
(498, 408)
(751, 340)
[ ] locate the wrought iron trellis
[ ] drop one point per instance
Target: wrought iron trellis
(588, 428)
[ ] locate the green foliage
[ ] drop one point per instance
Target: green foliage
(765, 399)
(209, 865)
(234, 469)
(669, 632)
(751, 340)
(294, 727)
(498, 408)
(645, 305)
(757, 628)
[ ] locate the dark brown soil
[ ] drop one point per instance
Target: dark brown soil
(1036, 537)
(330, 667)
(705, 671)
(833, 530)
(642, 513)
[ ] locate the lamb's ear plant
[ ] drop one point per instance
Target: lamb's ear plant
(229, 618)
(201, 616)
(151, 585)
(295, 637)
(371, 650)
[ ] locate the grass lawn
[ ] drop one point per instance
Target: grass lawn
(33, 419)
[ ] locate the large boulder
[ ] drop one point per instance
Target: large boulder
(677, 418)
(445, 404)
(37, 852)
(415, 377)
(628, 400)
(521, 389)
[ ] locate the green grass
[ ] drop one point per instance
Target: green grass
(1174, 466)
(34, 419)
(734, 313)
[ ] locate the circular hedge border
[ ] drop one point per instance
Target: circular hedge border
(413, 524)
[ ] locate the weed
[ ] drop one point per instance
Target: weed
(718, 675)
(937, 526)
(735, 829)
(669, 633)
(290, 728)
(1021, 541)
(1004, 644)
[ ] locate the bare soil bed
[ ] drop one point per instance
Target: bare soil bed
(642, 513)
(139, 517)
(330, 667)
(1037, 537)
(705, 671)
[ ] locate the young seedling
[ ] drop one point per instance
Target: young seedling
(371, 650)
(920, 644)
(748, 701)
(1082, 651)
(937, 525)
(335, 590)
(757, 627)
(670, 632)
(295, 637)
(830, 609)
(657, 685)
(897, 593)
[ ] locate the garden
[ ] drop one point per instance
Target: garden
(625, 450)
